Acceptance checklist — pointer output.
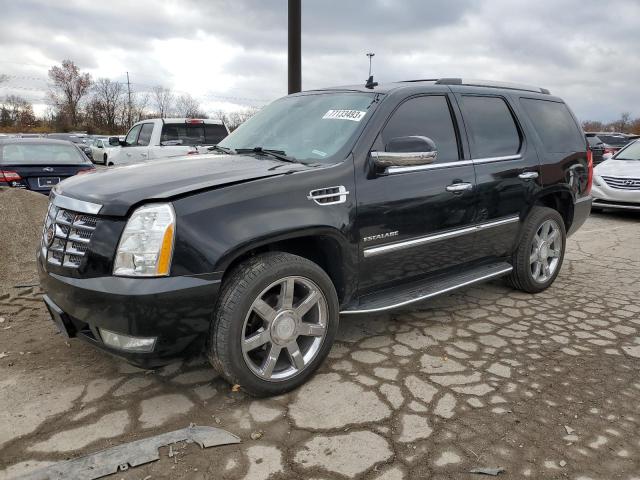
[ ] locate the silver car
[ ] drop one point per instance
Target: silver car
(616, 182)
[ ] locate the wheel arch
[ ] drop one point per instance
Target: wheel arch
(327, 247)
(559, 199)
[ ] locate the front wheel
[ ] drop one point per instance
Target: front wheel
(537, 261)
(274, 324)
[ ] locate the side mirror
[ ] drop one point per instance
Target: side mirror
(405, 152)
(114, 141)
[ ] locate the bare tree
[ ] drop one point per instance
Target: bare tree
(164, 100)
(187, 106)
(68, 87)
(16, 112)
(108, 101)
(236, 118)
(623, 123)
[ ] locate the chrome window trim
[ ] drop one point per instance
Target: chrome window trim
(431, 166)
(68, 203)
(392, 247)
(497, 159)
(431, 294)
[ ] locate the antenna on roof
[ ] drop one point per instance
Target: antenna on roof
(370, 83)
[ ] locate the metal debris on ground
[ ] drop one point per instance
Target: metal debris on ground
(133, 454)
(488, 471)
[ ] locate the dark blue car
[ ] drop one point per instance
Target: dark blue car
(39, 164)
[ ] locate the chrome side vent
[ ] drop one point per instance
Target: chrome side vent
(329, 195)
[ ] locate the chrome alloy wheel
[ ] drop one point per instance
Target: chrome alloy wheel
(545, 251)
(284, 328)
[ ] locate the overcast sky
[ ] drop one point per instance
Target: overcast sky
(234, 52)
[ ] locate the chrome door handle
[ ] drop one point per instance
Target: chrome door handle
(528, 175)
(459, 187)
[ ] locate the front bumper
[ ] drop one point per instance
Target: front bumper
(605, 196)
(176, 310)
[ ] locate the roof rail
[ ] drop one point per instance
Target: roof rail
(480, 83)
(491, 84)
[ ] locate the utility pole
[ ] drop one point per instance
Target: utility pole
(129, 109)
(295, 48)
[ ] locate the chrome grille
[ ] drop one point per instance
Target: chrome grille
(66, 236)
(622, 183)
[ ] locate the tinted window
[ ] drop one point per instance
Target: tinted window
(614, 140)
(428, 117)
(593, 141)
(491, 127)
(132, 136)
(145, 134)
(214, 133)
(40, 154)
(182, 134)
(555, 125)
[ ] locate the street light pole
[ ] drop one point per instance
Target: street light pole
(295, 48)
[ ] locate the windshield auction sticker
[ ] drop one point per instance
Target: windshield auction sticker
(353, 115)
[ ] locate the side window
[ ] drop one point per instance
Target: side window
(491, 127)
(555, 126)
(132, 136)
(427, 116)
(145, 134)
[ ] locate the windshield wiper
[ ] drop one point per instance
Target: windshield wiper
(228, 151)
(279, 154)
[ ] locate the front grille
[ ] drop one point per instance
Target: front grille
(66, 236)
(623, 183)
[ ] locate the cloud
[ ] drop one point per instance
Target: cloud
(230, 52)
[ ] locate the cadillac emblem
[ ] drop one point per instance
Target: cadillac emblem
(50, 235)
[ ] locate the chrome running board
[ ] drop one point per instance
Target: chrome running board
(417, 291)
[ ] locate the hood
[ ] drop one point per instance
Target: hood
(117, 189)
(619, 168)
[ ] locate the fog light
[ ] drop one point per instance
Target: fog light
(127, 342)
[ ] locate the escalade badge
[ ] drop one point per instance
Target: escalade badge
(380, 236)
(50, 234)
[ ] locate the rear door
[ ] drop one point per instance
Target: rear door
(413, 223)
(507, 169)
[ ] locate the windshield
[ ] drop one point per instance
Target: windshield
(312, 128)
(632, 152)
(40, 154)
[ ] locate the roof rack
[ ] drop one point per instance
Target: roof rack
(482, 83)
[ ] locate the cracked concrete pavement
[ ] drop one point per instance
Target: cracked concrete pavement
(545, 386)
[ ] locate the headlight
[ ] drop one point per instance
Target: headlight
(146, 245)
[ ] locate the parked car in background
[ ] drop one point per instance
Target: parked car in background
(102, 147)
(616, 182)
(39, 164)
(350, 200)
(613, 142)
(597, 147)
(168, 137)
(78, 138)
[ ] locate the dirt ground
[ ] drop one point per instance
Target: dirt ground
(544, 386)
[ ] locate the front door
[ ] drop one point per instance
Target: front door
(412, 222)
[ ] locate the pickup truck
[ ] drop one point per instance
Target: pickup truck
(167, 137)
(341, 201)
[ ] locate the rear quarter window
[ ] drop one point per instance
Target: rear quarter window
(554, 124)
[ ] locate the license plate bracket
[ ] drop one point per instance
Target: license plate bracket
(48, 181)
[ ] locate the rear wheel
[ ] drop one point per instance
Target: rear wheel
(275, 322)
(110, 164)
(539, 256)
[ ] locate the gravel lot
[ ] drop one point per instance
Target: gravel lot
(545, 386)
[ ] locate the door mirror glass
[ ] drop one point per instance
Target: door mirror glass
(114, 141)
(411, 151)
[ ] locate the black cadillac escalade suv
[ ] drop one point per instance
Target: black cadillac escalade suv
(349, 200)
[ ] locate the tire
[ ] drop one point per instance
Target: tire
(258, 284)
(104, 159)
(110, 164)
(526, 276)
